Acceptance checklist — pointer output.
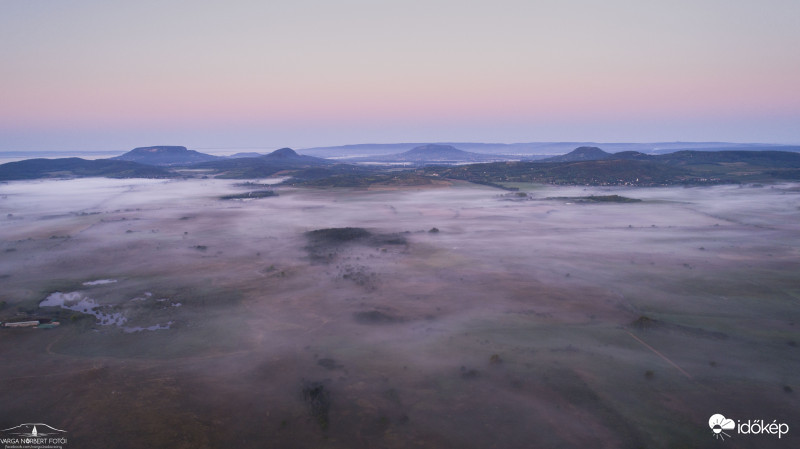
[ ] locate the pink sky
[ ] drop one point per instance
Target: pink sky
(112, 75)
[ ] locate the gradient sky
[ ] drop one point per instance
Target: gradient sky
(112, 75)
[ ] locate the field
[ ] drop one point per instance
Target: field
(447, 315)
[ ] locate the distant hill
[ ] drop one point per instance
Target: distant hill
(584, 165)
(434, 154)
(631, 155)
(247, 154)
(585, 172)
(534, 150)
(592, 166)
(290, 154)
(77, 167)
(369, 151)
(262, 166)
(722, 146)
(762, 158)
(580, 154)
(165, 155)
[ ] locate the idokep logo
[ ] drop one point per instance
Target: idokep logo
(719, 424)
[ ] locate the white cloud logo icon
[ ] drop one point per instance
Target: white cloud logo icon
(719, 424)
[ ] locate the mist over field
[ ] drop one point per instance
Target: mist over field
(458, 316)
(416, 224)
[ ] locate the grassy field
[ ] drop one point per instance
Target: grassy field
(537, 322)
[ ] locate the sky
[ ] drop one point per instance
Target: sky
(111, 75)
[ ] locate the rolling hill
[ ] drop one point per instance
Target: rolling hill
(77, 167)
(262, 166)
(165, 156)
(582, 166)
(434, 154)
(580, 154)
(592, 166)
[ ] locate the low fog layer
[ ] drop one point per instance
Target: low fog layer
(455, 317)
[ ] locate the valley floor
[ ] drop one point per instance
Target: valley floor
(524, 319)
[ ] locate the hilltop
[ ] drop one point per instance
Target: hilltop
(433, 154)
(580, 154)
(262, 166)
(165, 155)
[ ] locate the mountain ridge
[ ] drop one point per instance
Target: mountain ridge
(77, 167)
(536, 150)
(262, 166)
(583, 165)
(433, 153)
